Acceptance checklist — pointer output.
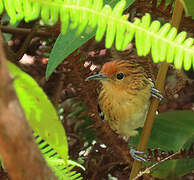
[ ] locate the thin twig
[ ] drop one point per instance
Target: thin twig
(176, 19)
(26, 43)
(147, 170)
(26, 31)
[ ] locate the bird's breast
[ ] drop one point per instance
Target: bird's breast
(124, 111)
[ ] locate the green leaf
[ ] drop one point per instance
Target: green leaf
(72, 13)
(173, 169)
(128, 3)
(66, 44)
(39, 111)
(172, 131)
(189, 7)
(112, 3)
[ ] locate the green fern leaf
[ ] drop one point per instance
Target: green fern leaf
(97, 6)
(102, 21)
(162, 42)
(61, 169)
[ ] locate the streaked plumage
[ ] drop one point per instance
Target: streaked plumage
(124, 102)
(125, 97)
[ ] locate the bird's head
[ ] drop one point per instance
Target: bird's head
(119, 72)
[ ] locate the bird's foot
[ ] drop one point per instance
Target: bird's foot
(134, 154)
(156, 93)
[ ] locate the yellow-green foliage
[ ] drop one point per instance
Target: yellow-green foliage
(163, 42)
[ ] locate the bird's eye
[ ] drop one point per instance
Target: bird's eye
(120, 76)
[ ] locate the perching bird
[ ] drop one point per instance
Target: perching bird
(124, 97)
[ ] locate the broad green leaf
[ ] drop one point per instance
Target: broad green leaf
(189, 7)
(172, 131)
(66, 44)
(62, 171)
(39, 111)
(128, 3)
(173, 169)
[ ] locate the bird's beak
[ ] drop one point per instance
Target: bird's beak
(100, 76)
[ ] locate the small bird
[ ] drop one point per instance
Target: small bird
(124, 98)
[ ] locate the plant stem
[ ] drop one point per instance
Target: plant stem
(24, 31)
(26, 43)
(176, 19)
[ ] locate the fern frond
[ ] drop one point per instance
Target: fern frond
(163, 42)
(62, 170)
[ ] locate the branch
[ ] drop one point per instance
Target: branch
(147, 170)
(19, 152)
(176, 19)
(25, 31)
(26, 42)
